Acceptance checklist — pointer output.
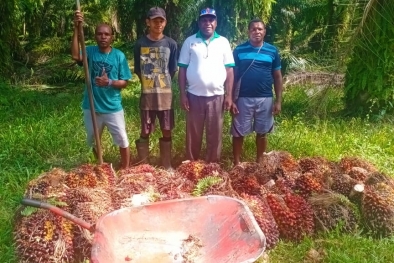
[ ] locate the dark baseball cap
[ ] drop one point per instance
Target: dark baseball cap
(157, 12)
(208, 12)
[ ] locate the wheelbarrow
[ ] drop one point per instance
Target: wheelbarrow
(208, 229)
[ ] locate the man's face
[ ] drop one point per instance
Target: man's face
(156, 25)
(103, 36)
(256, 32)
(207, 25)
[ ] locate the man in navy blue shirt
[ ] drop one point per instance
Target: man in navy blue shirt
(258, 65)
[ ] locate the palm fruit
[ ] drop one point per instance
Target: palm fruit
(343, 184)
(173, 185)
(217, 184)
(244, 179)
(333, 210)
(105, 174)
(90, 175)
(321, 168)
(212, 169)
(309, 164)
(279, 187)
(90, 212)
(139, 169)
(82, 176)
(288, 166)
(46, 184)
(250, 169)
(307, 184)
(359, 174)
(75, 196)
(377, 208)
(262, 213)
(44, 237)
(293, 215)
(346, 164)
(269, 164)
(135, 180)
(249, 185)
(377, 177)
(192, 170)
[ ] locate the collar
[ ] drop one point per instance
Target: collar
(255, 46)
(199, 35)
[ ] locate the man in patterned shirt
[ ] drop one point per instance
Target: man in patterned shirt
(155, 63)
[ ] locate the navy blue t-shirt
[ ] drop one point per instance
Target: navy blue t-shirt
(258, 79)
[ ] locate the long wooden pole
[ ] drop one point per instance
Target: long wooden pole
(89, 88)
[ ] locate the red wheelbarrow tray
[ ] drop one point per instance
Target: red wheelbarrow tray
(208, 229)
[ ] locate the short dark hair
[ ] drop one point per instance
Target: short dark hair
(256, 20)
(104, 25)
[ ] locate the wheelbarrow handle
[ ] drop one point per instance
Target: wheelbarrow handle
(58, 211)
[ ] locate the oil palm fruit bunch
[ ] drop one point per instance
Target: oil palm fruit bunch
(307, 184)
(332, 210)
(262, 213)
(293, 215)
(41, 236)
(377, 209)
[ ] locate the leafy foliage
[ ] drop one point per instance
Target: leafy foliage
(204, 183)
(369, 82)
(8, 39)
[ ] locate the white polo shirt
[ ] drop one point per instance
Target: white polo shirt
(206, 64)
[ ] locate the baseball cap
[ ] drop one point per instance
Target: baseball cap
(156, 12)
(208, 12)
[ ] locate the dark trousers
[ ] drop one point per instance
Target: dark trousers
(208, 112)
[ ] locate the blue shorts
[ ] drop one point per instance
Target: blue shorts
(255, 115)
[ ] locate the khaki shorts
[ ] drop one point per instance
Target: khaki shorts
(115, 124)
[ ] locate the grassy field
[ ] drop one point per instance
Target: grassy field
(42, 128)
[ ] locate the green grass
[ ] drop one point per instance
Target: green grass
(42, 128)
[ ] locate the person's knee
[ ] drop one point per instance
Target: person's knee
(261, 135)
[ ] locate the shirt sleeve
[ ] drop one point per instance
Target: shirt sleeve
(276, 64)
(228, 59)
(184, 57)
(124, 70)
(137, 57)
(173, 66)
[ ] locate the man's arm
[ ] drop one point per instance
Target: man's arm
(278, 87)
(173, 62)
(182, 80)
(75, 50)
(119, 84)
(182, 88)
(229, 83)
(137, 60)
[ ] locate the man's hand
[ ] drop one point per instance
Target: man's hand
(78, 18)
(234, 109)
(276, 109)
(102, 81)
(184, 102)
(228, 103)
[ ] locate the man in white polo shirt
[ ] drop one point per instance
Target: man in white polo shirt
(206, 65)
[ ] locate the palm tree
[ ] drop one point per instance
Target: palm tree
(369, 81)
